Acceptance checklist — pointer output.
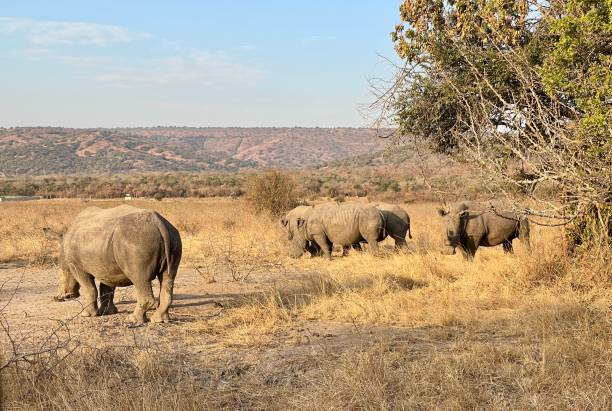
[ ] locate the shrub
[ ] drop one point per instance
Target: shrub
(272, 192)
(159, 196)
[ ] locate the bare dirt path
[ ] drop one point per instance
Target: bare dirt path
(32, 308)
(33, 314)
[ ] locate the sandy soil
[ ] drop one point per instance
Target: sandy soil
(33, 314)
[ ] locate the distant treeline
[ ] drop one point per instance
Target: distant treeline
(145, 185)
(334, 183)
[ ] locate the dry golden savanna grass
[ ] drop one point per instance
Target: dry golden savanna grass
(521, 331)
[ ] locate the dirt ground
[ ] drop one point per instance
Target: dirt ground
(33, 314)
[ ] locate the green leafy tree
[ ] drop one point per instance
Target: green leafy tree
(523, 89)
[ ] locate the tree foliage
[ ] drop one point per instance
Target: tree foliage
(523, 88)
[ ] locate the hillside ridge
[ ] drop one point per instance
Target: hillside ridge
(55, 150)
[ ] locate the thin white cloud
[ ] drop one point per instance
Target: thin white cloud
(186, 67)
(40, 54)
(48, 33)
(196, 68)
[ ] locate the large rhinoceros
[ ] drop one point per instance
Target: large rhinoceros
(119, 246)
(397, 222)
(327, 224)
(397, 225)
(470, 225)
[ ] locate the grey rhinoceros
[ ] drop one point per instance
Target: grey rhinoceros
(119, 246)
(289, 222)
(397, 224)
(327, 224)
(470, 225)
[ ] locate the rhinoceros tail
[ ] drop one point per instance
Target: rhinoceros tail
(172, 245)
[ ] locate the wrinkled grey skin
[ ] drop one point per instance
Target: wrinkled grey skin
(118, 247)
(470, 225)
(397, 225)
(328, 224)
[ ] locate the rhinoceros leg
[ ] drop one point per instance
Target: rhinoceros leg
(107, 306)
(165, 299)
(400, 243)
(324, 244)
(144, 301)
(88, 291)
(507, 244)
(468, 248)
(373, 246)
(372, 240)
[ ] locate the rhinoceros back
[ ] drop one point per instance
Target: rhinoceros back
(344, 224)
(115, 244)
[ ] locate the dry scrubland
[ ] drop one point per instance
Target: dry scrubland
(425, 330)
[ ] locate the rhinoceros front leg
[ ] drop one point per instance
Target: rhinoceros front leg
(372, 240)
(88, 291)
(107, 306)
(507, 244)
(325, 246)
(468, 248)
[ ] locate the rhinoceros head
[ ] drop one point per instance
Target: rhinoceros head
(68, 287)
(296, 236)
(454, 227)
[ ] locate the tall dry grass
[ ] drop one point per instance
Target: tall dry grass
(522, 331)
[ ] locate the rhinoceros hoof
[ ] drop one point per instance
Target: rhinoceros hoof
(160, 318)
(89, 313)
(138, 320)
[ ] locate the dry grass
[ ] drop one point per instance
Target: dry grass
(506, 331)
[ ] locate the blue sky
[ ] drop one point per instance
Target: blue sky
(192, 63)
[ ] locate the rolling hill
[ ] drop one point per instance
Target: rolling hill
(46, 150)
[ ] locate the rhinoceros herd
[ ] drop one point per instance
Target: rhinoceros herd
(125, 245)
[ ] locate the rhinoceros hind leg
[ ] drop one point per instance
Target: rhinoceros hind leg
(400, 243)
(165, 299)
(144, 301)
(107, 306)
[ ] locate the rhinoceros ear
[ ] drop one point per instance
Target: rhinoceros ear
(52, 235)
(442, 212)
